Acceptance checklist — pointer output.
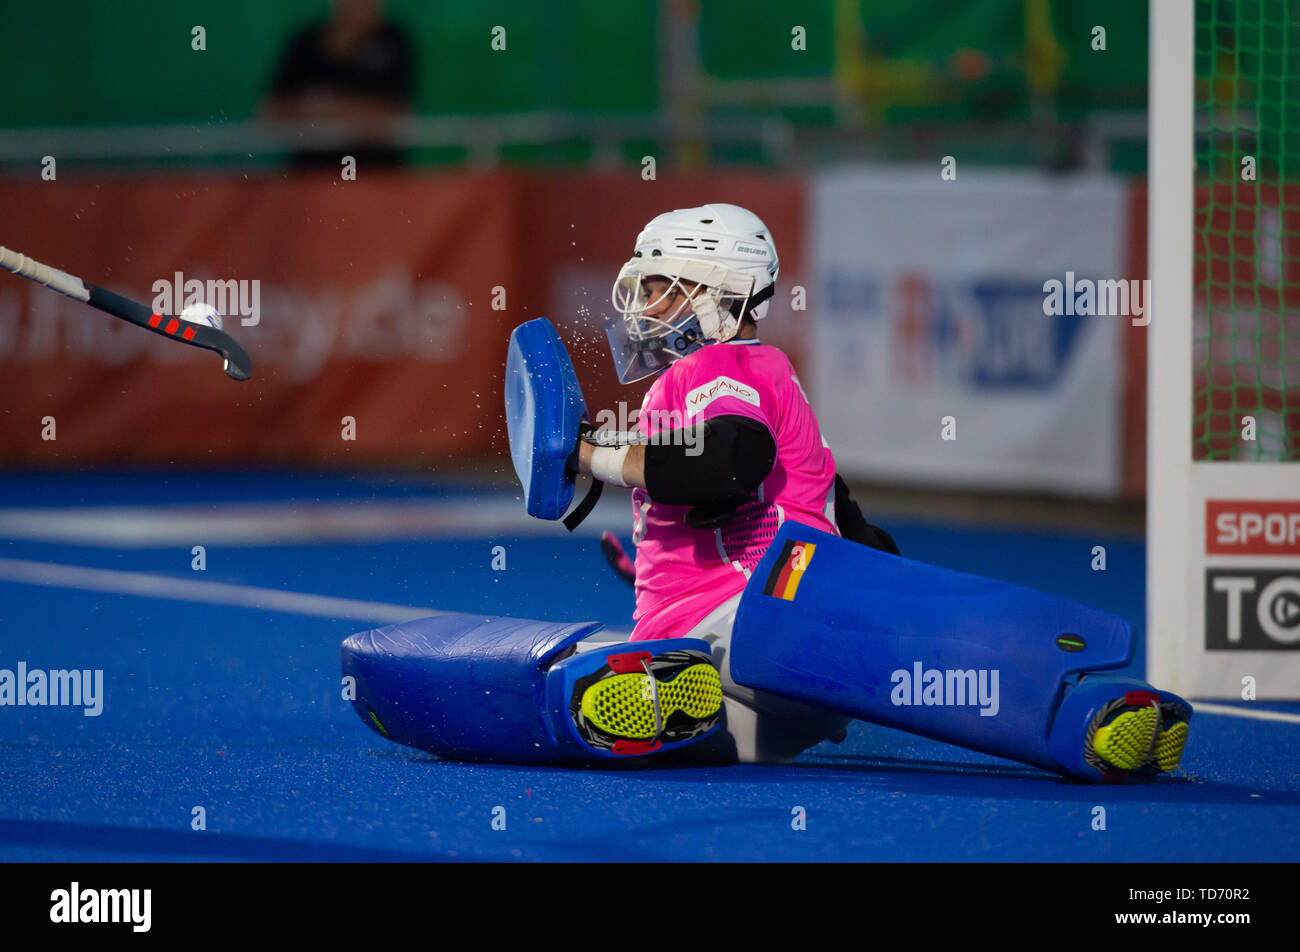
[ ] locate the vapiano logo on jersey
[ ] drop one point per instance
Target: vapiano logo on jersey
(702, 396)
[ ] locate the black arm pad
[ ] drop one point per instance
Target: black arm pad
(719, 462)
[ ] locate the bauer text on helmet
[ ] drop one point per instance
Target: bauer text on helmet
(694, 275)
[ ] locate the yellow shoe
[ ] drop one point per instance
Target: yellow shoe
(1126, 741)
(1139, 733)
(1169, 746)
(640, 701)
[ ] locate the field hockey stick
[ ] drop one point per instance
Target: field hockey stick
(237, 365)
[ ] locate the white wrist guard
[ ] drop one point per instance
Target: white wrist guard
(607, 464)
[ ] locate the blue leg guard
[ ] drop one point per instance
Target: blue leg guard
(959, 658)
(466, 687)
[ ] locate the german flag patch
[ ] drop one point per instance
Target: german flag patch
(783, 580)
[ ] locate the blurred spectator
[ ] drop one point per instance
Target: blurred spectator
(355, 67)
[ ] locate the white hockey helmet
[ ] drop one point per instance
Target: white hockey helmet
(723, 252)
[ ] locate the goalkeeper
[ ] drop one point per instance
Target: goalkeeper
(733, 450)
(769, 613)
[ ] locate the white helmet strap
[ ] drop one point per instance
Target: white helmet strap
(713, 324)
(718, 324)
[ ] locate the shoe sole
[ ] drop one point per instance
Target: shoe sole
(1126, 742)
(623, 705)
(1169, 747)
(1144, 739)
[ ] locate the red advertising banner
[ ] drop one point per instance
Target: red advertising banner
(366, 308)
(376, 311)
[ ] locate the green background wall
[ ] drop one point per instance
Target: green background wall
(128, 61)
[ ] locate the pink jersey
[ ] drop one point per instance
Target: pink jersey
(682, 574)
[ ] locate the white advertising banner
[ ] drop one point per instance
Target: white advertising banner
(934, 358)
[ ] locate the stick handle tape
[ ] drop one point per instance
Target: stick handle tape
(52, 278)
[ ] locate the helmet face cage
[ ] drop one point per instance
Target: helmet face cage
(633, 299)
(644, 344)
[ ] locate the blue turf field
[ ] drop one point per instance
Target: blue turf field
(237, 708)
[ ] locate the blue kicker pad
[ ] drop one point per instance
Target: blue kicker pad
(468, 687)
(544, 409)
(959, 658)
